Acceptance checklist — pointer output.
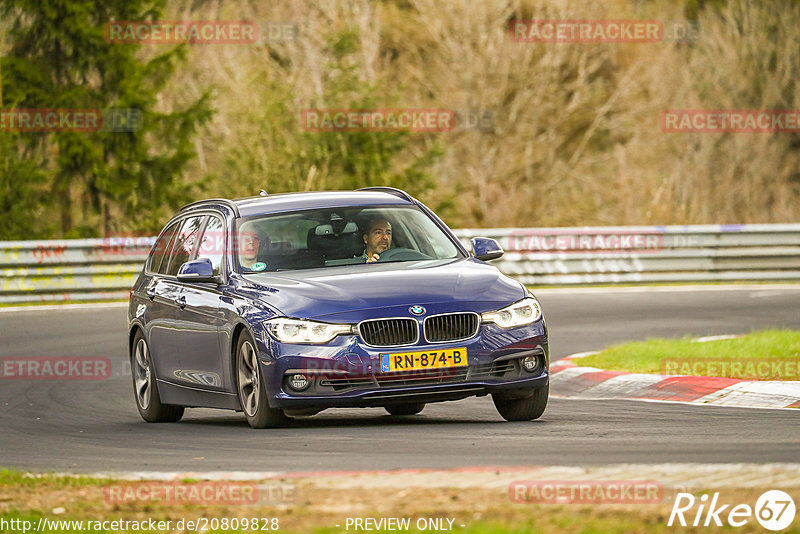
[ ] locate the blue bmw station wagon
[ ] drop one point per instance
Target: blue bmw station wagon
(285, 305)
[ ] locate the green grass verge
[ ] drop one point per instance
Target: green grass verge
(61, 499)
(13, 477)
(760, 355)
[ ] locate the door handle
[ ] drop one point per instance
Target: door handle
(181, 301)
(151, 292)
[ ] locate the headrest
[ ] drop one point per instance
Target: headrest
(347, 244)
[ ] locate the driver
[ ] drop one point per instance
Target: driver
(377, 238)
(249, 246)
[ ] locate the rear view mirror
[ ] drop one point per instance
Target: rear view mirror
(486, 249)
(199, 270)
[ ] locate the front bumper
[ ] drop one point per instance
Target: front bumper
(347, 373)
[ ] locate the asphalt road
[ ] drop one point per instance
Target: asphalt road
(90, 426)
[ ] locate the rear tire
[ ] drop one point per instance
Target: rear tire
(517, 408)
(145, 389)
(251, 389)
(410, 408)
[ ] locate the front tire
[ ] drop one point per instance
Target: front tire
(251, 389)
(410, 408)
(145, 390)
(520, 408)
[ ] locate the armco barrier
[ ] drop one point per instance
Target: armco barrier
(647, 254)
(95, 269)
(74, 269)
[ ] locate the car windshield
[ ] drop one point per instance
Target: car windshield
(331, 237)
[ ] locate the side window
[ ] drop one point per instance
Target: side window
(161, 249)
(212, 244)
(184, 244)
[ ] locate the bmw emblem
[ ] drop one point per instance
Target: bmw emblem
(417, 310)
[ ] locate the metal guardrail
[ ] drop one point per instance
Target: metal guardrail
(74, 269)
(103, 269)
(647, 254)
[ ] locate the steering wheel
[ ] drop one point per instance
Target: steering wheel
(400, 254)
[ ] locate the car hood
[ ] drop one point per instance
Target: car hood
(358, 292)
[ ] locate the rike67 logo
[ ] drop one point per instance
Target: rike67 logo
(774, 510)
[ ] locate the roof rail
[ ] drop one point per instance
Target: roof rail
(391, 190)
(227, 202)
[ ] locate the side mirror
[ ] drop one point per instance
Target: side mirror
(199, 270)
(486, 249)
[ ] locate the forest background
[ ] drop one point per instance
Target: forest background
(549, 134)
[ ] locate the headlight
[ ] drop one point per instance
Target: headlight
(526, 311)
(300, 331)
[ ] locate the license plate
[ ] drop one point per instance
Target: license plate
(429, 359)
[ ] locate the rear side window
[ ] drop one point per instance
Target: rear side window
(161, 249)
(185, 243)
(212, 244)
